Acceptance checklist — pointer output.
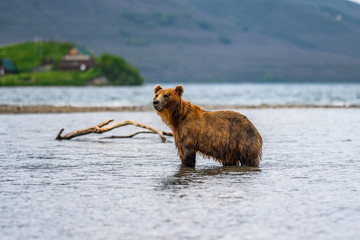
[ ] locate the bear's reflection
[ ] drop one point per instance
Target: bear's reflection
(187, 175)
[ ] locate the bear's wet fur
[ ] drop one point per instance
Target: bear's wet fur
(226, 136)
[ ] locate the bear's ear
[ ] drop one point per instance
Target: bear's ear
(157, 88)
(179, 90)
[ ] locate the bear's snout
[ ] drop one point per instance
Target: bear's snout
(156, 104)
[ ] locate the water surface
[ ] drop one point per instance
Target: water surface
(204, 94)
(307, 186)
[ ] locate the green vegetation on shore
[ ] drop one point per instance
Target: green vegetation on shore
(29, 55)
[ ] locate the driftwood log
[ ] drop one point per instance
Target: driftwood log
(101, 128)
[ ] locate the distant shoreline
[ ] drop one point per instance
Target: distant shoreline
(18, 109)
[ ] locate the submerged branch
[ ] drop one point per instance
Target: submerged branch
(101, 128)
(136, 133)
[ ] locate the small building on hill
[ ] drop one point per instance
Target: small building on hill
(7, 66)
(46, 65)
(78, 58)
(47, 61)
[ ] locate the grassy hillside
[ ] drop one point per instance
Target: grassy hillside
(330, 25)
(203, 40)
(28, 55)
(53, 78)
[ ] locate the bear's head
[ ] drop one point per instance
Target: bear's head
(167, 98)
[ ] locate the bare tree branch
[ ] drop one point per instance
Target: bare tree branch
(130, 135)
(136, 133)
(101, 128)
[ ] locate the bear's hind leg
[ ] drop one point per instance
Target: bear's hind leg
(231, 163)
(250, 162)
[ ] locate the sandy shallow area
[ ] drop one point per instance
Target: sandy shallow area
(6, 109)
(19, 109)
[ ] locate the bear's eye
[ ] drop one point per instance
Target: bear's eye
(156, 95)
(166, 96)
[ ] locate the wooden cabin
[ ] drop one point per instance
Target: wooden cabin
(46, 65)
(78, 58)
(7, 66)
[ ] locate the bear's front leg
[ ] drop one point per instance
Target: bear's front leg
(187, 156)
(188, 160)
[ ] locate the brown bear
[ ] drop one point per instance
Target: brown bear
(226, 136)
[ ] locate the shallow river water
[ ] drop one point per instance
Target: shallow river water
(307, 186)
(210, 94)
